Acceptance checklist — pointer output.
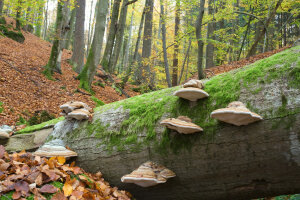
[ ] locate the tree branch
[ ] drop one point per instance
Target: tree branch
(130, 2)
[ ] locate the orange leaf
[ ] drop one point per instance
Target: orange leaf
(61, 160)
(67, 189)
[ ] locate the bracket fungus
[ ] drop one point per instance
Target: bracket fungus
(192, 91)
(4, 135)
(148, 174)
(182, 125)
(54, 148)
(194, 83)
(236, 113)
(75, 110)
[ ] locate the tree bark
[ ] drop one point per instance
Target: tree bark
(78, 50)
(90, 31)
(89, 70)
(222, 162)
(71, 26)
(128, 46)
(61, 29)
(252, 50)
(176, 45)
(119, 38)
(111, 35)
(18, 15)
(210, 36)
(199, 40)
(184, 61)
(146, 75)
(1, 7)
(164, 41)
(46, 20)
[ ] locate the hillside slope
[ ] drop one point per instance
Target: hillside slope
(25, 90)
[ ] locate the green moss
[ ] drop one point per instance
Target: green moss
(2, 20)
(14, 35)
(97, 101)
(30, 129)
(146, 110)
(1, 107)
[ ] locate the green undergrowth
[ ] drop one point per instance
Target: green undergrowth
(97, 101)
(30, 129)
(12, 34)
(146, 110)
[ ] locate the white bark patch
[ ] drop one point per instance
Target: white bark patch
(295, 147)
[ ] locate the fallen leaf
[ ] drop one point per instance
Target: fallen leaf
(16, 195)
(67, 189)
(2, 151)
(59, 196)
(61, 160)
(48, 189)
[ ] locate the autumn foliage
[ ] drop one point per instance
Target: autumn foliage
(24, 176)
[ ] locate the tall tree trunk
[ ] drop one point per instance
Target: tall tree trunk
(164, 41)
(46, 20)
(184, 61)
(39, 16)
(176, 45)
(128, 46)
(134, 62)
(210, 36)
(199, 40)
(147, 44)
(119, 38)
(90, 31)
(252, 50)
(70, 34)
(1, 7)
(111, 35)
(78, 50)
(89, 70)
(61, 29)
(18, 15)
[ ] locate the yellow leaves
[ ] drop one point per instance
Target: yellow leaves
(61, 160)
(68, 189)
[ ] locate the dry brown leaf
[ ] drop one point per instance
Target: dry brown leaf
(67, 189)
(48, 189)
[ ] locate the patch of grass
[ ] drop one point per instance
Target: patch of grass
(30, 129)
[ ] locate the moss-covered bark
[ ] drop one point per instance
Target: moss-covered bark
(62, 20)
(87, 75)
(222, 162)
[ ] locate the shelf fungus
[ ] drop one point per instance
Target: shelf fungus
(236, 113)
(192, 91)
(54, 148)
(182, 124)
(4, 135)
(148, 174)
(75, 110)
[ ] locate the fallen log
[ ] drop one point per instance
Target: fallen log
(224, 161)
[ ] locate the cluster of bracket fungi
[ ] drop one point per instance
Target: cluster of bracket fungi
(150, 173)
(235, 113)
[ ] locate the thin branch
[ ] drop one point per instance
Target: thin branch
(130, 2)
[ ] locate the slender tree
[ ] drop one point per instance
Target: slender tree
(252, 50)
(128, 46)
(89, 70)
(134, 61)
(164, 41)
(78, 50)
(210, 36)
(199, 40)
(119, 38)
(147, 43)
(1, 7)
(176, 44)
(61, 29)
(18, 15)
(111, 35)
(46, 20)
(70, 34)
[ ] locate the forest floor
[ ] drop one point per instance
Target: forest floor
(24, 90)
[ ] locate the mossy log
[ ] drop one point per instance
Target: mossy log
(222, 162)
